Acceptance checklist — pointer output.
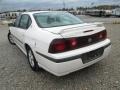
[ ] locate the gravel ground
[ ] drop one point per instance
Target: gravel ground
(15, 73)
(100, 19)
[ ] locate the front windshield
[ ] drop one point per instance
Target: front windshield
(55, 19)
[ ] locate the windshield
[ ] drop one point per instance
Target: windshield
(55, 19)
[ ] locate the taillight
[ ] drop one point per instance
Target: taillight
(62, 45)
(102, 35)
(72, 42)
(57, 45)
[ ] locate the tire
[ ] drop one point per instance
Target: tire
(10, 38)
(32, 61)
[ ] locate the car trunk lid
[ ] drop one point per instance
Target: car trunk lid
(84, 29)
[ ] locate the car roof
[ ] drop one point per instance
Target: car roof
(33, 12)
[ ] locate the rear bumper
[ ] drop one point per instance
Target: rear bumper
(60, 67)
(68, 58)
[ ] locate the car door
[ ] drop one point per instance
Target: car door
(23, 26)
(14, 30)
(22, 23)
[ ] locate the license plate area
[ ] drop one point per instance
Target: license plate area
(90, 56)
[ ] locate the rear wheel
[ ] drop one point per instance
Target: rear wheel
(10, 38)
(32, 61)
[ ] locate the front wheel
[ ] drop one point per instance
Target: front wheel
(10, 38)
(32, 61)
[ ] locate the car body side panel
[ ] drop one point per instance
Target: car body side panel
(38, 39)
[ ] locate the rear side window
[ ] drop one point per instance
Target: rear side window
(25, 21)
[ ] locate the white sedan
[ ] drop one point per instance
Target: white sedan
(58, 41)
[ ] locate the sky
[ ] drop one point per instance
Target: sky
(6, 5)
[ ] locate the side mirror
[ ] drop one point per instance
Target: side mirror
(11, 24)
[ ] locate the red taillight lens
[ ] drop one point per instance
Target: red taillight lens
(57, 46)
(62, 45)
(72, 42)
(102, 35)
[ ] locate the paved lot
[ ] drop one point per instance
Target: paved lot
(15, 73)
(99, 19)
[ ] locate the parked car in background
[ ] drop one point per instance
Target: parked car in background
(58, 41)
(99, 13)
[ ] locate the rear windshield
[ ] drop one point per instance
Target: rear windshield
(55, 19)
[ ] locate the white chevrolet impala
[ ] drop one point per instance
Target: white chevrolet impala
(58, 41)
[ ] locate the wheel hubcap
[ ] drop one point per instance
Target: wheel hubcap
(31, 58)
(10, 37)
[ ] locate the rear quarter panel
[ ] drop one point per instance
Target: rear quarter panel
(39, 39)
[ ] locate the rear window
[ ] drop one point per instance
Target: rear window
(55, 19)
